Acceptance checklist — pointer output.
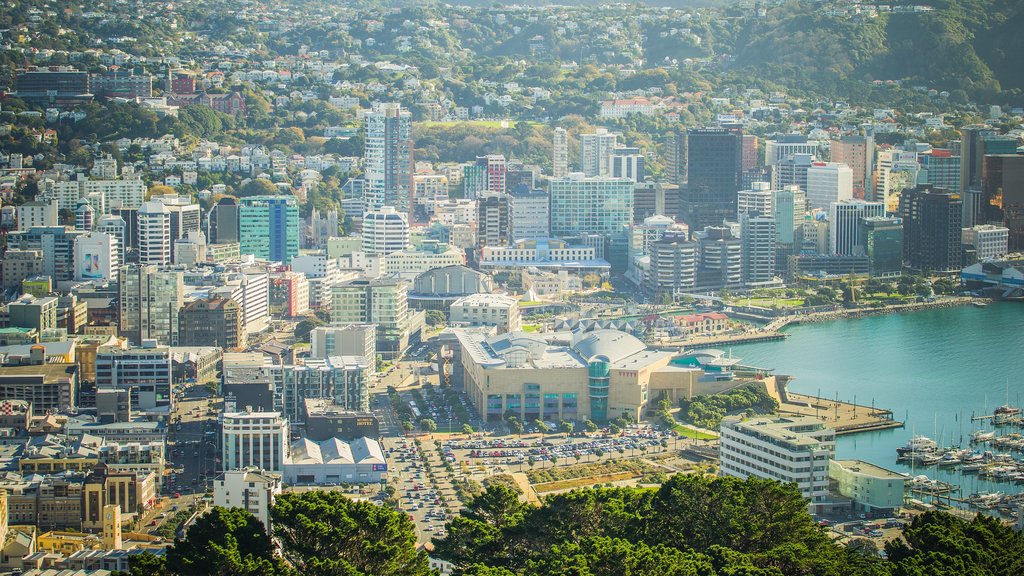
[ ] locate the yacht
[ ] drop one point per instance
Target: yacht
(982, 436)
(918, 444)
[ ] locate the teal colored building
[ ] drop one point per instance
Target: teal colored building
(268, 227)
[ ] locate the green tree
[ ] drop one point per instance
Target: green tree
(565, 427)
(304, 327)
(327, 534)
(467, 429)
(435, 318)
(258, 187)
(428, 425)
(225, 542)
(590, 426)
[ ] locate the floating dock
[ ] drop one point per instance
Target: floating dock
(844, 417)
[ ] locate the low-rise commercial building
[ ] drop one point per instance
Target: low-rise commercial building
(335, 461)
(871, 488)
(488, 310)
(250, 489)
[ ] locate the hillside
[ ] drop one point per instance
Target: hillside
(967, 45)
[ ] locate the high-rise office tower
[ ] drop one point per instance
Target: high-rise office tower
(976, 142)
(388, 169)
(943, 168)
(268, 227)
(751, 149)
(1002, 196)
(714, 161)
(844, 227)
(598, 205)
(675, 152)
(883, 244)
(492, 220)
(758, 241)
(486, 174)
(596, 151)
(223, 222)
(529, 214)
(792, 171)
(789, 206)
(149, 301)
(759, 199)
(828, 182)
(857, 152)
(116, 227)
(85, 216)
(560, 153)
(154, 233)
(385, 231)
(932, 229)
(184, 216)
(628, 162)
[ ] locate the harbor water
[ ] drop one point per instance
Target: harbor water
(934, 369)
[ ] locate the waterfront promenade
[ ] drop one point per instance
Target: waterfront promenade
(844, 417)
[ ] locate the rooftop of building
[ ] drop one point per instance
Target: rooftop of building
(559, 350)
(51, 372)
(795, 431)
(486, 300)
(336, 451)
(867, 468)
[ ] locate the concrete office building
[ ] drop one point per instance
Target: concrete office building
(487, 310)
(857, 152)
(183, 215)
(757, 241)
(789, 145)
(96, 256)
(628, 162)
(250, 489)
(585, 205)
(257, 439)
(57, 245)
(351, 340)
(792, 171)
(385, 230)
(789, 206)
(871, 489)
(211, 322)
(828, 182)
(116, 227)
(42, 212)
(845, 232)
(49, 386)
(673, 267)
(35, 313)
(383, 302)
(529, 214)
(493, 222)
(988, 242)
(655, 199)
(145, 371)
(788, 449)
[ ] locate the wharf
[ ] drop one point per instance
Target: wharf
(724, 339)
(844, 417)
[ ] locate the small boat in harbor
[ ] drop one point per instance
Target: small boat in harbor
(918, 444)
(979, 303)
(980, 436)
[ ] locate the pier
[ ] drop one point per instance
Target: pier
(844, 417)
(713, 341)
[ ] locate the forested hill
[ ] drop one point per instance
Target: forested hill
(972, 46)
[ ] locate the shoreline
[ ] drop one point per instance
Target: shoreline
(852, 313)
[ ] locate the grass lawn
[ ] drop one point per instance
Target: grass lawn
(531, 327)
(769, 302)
(688, 432)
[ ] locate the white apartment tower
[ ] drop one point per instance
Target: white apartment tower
(560, 153)
(154, 233)
(596, 151)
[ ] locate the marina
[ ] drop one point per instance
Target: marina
(914, 365)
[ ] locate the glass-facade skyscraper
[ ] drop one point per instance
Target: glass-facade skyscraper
(268, 227)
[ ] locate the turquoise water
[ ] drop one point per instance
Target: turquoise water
(933, 369)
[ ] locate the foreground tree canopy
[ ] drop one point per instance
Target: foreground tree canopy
(707, 526)
(693, 525)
